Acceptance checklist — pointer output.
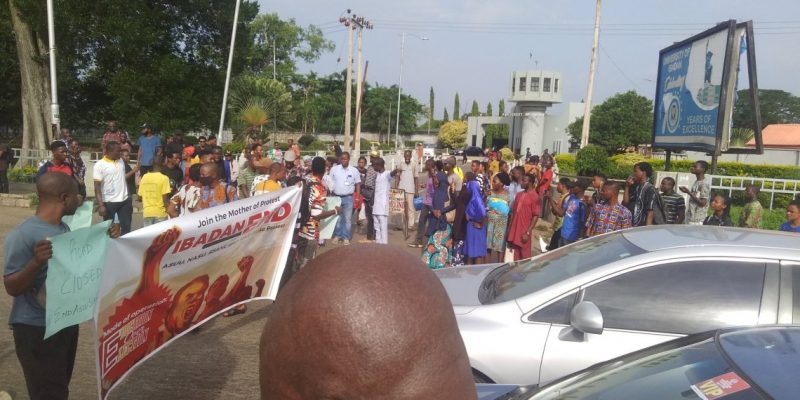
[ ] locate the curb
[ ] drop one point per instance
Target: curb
(16, 200)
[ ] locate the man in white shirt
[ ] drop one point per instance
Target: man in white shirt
(380, 208)
(346, 181)
(408, 184)
(110, 188)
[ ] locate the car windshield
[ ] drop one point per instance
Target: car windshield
(514, 280)
(697, 371)
(767, 355)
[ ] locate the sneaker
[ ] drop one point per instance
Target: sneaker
(346, 242)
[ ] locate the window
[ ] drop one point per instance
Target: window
(555, 313)
(684, 298)
(522, 83)
(534, 84)
(546, 85)
(555, 86)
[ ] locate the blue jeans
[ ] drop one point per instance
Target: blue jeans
(344, 227)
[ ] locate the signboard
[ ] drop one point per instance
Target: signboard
(692, 91)
(397, 206)
(744, 61)
(162, 281)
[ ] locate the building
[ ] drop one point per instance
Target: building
(530, 126)
(781, 147)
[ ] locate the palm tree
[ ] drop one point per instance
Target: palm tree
(254, 116)
(740, 137)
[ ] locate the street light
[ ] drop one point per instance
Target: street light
(400, 85)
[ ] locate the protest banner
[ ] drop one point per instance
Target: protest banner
(82, 217)
(163, 280)
(397, 206)
(73, 276)
(327, 226)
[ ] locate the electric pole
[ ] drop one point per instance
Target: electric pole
(352, 22)
(587, 111)
(359, 98)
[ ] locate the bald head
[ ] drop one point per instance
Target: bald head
(346, 329)
(53, 185)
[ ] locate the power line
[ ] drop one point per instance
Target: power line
(614, 63)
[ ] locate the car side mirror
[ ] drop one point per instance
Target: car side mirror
(586, 318)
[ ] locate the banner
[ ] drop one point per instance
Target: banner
(73, 276)
(82, 217)
(691, 97)
(327, 226)
(163, 280)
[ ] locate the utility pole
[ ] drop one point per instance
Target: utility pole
(55, 119)
(228, 73)
(352, 22)
(400, 85)
(360, 97)
(587, 110)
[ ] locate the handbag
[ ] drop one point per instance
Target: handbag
(418, 202)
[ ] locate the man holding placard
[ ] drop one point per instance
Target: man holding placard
(46, 364)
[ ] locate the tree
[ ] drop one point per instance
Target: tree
(377, 108)
(249, 93)
(285, 42)
(10, 106)
(475, 111)
(431, 110)
(445, 117)
(453, 134)
(489, 109)
(623, 120)
(501, 108)
(456, 108)
(777, 107)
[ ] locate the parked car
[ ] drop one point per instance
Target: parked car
(536, 320)
(742, 363)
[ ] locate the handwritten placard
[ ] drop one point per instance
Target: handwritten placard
(82, 217)
(73, 276)
(397, 201)
(328, 225)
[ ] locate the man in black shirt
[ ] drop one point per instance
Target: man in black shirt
(172, 169)
(640, 194)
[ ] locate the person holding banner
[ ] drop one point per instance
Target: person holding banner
(214, 191)
(317, 197)
(46, 364)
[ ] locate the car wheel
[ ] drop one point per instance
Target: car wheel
(479, 377)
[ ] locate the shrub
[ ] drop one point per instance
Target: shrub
(25, 174)
(508, 155)
(592, 159)
(235, 147)
(316, 146)
(306, 140)
(771, 220)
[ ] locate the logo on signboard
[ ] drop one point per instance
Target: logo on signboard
(673, 114)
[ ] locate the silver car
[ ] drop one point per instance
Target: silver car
(537, 320)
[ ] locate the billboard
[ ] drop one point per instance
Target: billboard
(692, 96)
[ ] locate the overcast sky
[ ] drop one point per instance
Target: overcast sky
(475, 44)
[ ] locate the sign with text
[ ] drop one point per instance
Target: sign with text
(397, 201)
(327, 226)
(692, 96)
(164, 280)
(73, 276)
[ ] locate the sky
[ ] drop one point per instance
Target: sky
(475, 45)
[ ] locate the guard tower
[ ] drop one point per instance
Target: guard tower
(533, 92)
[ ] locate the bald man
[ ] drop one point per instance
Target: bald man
(385, 330)
(46, 364)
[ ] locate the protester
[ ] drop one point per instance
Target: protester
(291, 154)
(350, 286)
(172, 169)
(475, 243)
(494, 164)
(608, 216)
(526, 210)
(275, 153)
(202, 144)
(752, 211)
(78, 166)
(499, 206)
(59, 161)
(598, 180)
(46, 364)
(6, 155)
(185, 200)
(113, 134)
(214, 191)
(458, 237)
(380, 208)
(564, 188)
(572, 229)
(274, 182)
(248, 174)
(346, 182)
(698, 195)
(317, 197)
(674, 203)
(515, 187)
(175, 143)
(455, 181)
(148, 143)
(640, 194)
(792, 223)
(545, 178)
(65, 136)
(480, 176)
(408, 182)
(427, 204)
(721, 211)
(358, 201)
(187, 160)
(155, 191)
(111, 188)
(231, 169)
(130, 172)
(532, 166)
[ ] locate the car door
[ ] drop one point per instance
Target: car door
(655, 303)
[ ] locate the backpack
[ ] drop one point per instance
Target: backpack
(659, 213)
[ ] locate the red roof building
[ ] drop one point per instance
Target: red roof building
(780, 136)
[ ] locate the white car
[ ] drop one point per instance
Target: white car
(536, 320)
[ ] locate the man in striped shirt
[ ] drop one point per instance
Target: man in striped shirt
(674, 203)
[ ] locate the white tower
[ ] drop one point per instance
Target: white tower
(533, 92)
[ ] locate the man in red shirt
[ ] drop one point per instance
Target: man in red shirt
(113, 134)
(524, 216)
(59, 161)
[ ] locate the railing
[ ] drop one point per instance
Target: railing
(730, 184)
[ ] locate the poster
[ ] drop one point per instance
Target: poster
(397, 207)
(690, 96)
(327, 226)
(163, 280)
(720, 386)
(73, 276)
(82, 217)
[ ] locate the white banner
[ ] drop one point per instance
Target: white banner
(163, 280)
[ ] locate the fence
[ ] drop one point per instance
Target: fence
(731, 184)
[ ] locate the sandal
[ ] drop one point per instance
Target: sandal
(240, 309)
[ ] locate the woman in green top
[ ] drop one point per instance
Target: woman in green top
(497, 216)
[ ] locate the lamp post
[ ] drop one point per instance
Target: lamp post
(54, 112)
(228, 72)
(400, 85)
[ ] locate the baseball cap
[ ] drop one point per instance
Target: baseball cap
(146, 126)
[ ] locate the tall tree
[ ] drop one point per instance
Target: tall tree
(457, 108)
(501, 108)
(445, 117)
(285, 42)
(776, 106)
(489, 109)
(625, 119)
(475, 111)
(10, 106)
(431, 111)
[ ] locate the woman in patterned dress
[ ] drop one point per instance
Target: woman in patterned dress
(497, 217)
